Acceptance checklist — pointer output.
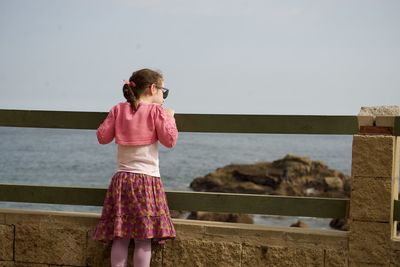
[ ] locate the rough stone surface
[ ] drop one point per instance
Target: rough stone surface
(253, 256)
(312, 240)
(396, 171)
(6, 242)
(157, 256)
(336, 258)
(395, 258)
(50, 244)
(385, 121)
(370, 199)
(21, 264)
(2, 218)
(238, 235)
(363, 264)
(372, 156)
(98, 253)
(381, 115)
(369, 242)
(199, 253)
(380, 111)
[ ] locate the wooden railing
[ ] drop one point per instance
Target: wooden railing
(194, 201)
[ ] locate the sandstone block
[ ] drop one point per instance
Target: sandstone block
(364, 120)
(372, 156)
(50, 244)
(20, 264)
(395, 258)
(156, 256)
(2, 218)
(389, 110)
(98, 253)
(195, 229)
(363, 264)
(370, 199)
(24, 264)
(369, 242)
(336, 258)
(6, 242)
(199, 253)
(384, 121)
(396, 170)
(238, 234)
(254, 256)
(311, 238)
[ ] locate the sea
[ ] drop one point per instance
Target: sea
(66, 157)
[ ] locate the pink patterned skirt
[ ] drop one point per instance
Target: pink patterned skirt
(135, 206)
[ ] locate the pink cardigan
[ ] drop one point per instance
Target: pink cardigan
(145, 126)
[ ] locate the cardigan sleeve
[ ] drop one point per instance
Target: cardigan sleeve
(106, 131)
(167, 132)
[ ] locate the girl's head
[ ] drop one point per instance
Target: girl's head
(145, 85)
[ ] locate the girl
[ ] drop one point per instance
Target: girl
(135, 205)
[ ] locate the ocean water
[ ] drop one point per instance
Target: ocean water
(74, 158)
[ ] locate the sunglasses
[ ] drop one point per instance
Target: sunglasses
(164, 91)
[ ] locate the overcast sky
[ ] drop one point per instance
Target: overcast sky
(217, 56)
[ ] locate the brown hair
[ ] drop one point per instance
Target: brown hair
(139, 81)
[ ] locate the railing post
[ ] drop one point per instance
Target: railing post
(375, 174)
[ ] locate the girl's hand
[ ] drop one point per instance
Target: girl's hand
(170, 112)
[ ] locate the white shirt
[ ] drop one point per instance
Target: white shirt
(139, 159)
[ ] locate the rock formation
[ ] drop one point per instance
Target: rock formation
(289, 176)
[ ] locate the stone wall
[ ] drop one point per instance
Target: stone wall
(39, 239)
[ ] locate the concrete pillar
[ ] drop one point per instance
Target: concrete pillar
(375, 174)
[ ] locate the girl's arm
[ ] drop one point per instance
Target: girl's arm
(167, 132)
(106, 131)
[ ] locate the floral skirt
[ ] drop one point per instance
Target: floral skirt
(135, 206)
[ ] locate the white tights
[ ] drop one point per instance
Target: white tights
(141, 255)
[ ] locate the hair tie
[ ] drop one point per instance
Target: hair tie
(129, 83)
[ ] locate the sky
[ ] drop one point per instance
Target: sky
(217, 56)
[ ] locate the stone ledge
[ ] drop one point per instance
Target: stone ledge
(40, 236)
(15, 216)
(279, 236)
(87, 220)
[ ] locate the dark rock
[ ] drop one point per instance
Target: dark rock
(221, 217)
(300, 224)
(256, 178)
(339, 224)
